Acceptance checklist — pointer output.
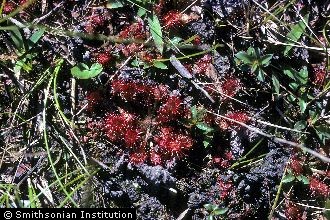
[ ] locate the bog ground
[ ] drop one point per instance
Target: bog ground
(210, 109)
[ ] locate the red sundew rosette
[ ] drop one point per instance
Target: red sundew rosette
(202, 65)
(173, 143)
(171, 110)
(318, 187)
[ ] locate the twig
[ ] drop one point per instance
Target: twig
(225, 95)
(189, 6)
(37, 20)
(185, 74)
(312, 207)
(278, 126)
(297, 45)
(276, 139)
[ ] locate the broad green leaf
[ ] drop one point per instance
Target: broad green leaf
(246, 58)
(160, 65)
(141, 12)
(81, 72)
(276, 84)
(204, 127)
(35, 37)
(96, 67)
(295, 33)
(220, 211)
(290, 73)
(210, 217)
(288, 178)
(114, 4)
(156, 32)
(260, 75)
(300, 125)
(265, 60)
(302, 105)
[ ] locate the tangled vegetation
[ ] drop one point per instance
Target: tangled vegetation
(214, 109)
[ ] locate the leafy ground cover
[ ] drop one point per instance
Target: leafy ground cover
(214, 109)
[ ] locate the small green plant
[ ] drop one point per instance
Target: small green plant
(296, 32)
(214, 210)
(82, 71)
(290, 177)
(197, 119)
(299, 86)
(255, 61)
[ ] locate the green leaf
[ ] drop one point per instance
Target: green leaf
(193, 110)
(176, 40)
(265, 60)
(204, 127)
(276, 84)
(314, 116)
(302, 76)
(210, 217)
(290, 73)
(17, 39)
(300, 125)
(141, 12)
(81, 71)
(220, 211)
(25, 65)
(35, 37)
(206, 143)
(253, 52)
(291, 98)
(294, 86)
(156, 32)
(112, 4)
(254, 67)
(295, 33)
(303, 179)
(83, 65)
(96, 67)
(323, 129)
(160, 65)
(209, 207)
(136, 62)
(302, 105)
(246, 58)
(288, 178)
(260, 75)
(327, 207)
